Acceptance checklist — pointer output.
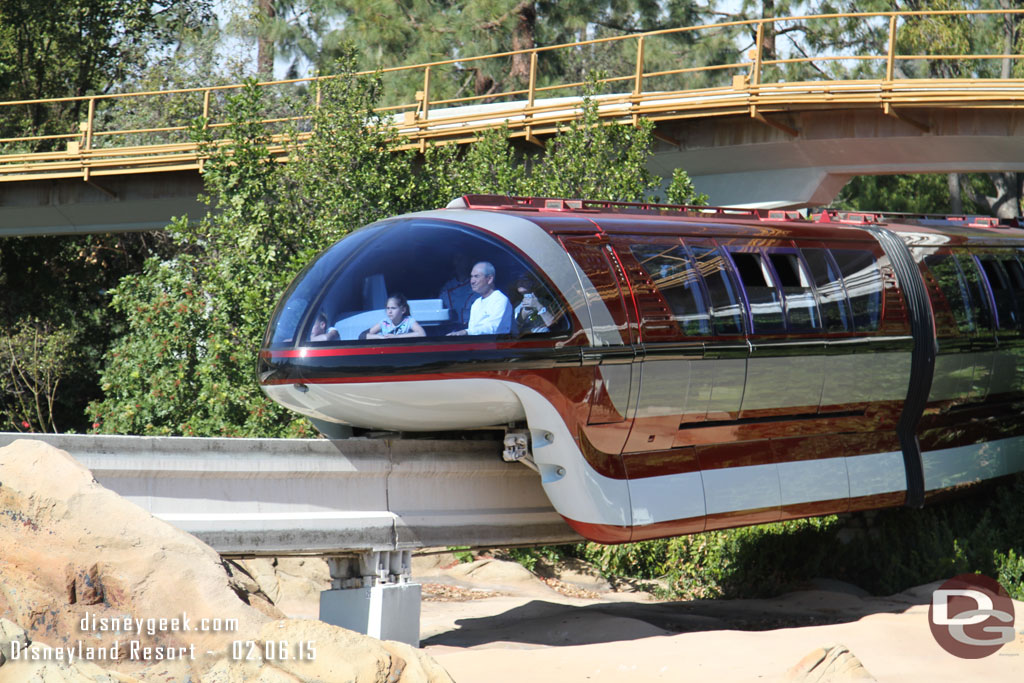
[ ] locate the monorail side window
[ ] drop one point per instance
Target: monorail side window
(835, 310)
(1015, 275)
(863, 282)
(999, 282)
(976, 288)
(801, 310)
(672, 272)
(726, 308)
(954, 288)
(763, 296)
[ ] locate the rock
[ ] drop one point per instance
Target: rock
(10, 633)
(580, 574)
(307, 650)
(433, 563)
(264, 574)
(829, 664)
(21, 659)
(918, 595)
(493, 571)
(40, 663)
(80, 563)
(75, 554)
(293, 584)
(84, 586)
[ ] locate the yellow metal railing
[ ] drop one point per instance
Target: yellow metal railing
(752, 85)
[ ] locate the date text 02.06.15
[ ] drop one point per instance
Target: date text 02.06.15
(273, 650)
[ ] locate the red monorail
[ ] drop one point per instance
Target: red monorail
(692, 369)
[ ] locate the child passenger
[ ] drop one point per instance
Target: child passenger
(398, 323)
(320, 330)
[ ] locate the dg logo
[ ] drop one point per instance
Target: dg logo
(971, 616)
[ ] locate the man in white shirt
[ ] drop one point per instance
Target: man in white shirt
(491, 312)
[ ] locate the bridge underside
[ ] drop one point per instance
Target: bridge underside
(108, 203)
(750, 163)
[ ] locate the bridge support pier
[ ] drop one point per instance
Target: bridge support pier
(372, 593)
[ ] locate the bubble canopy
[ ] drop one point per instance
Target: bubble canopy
(343, 294)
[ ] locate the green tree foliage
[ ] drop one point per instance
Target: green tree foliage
(74, 48)
(350, 172)
(49, 284)
(195, 321)
(924, 193)
(404, 32)
(956, 193)
(201, 57)
(591, 159)
(34, 358)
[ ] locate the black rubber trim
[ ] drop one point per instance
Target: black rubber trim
(922, 362)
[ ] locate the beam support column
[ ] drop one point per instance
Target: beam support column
(373, 593)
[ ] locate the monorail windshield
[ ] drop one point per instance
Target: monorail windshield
(368, 286)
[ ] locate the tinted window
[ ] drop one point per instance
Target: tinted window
(726, 309)
(863, 283)
(763, 296)
(954, 287)
(832, 301)
(1002, 294)
(672, 272)
(801, 310)
(343, 295)
(1015, 275)
(977, 290)
(290, 312)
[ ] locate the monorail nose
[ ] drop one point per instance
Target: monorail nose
(414, 300)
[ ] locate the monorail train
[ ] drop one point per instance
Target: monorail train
(680, 369)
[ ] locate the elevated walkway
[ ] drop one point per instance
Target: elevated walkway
(763, 130)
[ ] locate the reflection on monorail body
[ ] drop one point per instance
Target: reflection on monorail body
(667, 370)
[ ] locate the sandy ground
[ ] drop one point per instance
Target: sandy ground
(493, 621)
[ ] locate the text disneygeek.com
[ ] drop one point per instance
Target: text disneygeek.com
(128, 643)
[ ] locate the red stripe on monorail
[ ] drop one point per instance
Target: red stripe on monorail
(875, 501)
(737, 518)
(601, 533)
(818, 508)
(395, 347)
(674, 527)
(366, 379)
(728, 454)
